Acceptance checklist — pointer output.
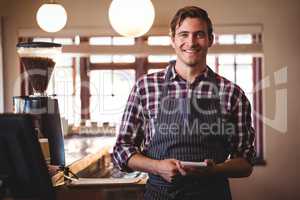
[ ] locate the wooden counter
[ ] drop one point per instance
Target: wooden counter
(92, 166)
(112, 192)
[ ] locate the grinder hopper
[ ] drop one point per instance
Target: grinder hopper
(37, 59)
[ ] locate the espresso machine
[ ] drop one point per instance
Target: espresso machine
(37, 58)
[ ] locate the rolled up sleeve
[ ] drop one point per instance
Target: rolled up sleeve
(131, 132)
(242, 143)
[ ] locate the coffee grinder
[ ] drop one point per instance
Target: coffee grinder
(37, 59)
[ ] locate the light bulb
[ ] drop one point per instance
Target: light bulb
(51, 17)
(131, 18)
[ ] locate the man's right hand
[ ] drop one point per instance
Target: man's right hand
(169, 168)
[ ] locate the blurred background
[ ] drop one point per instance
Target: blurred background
(256, 45)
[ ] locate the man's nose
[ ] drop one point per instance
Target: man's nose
(192, 39)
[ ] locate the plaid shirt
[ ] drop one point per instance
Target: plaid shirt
(137, 126)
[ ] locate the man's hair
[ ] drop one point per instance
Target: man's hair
(192, 12)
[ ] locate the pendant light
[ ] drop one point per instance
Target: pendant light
(131, 18)
(51, 17)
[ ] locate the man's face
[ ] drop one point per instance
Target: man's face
(191, 42)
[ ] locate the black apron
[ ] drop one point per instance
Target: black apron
(189, 129)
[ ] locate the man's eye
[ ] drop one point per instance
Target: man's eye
(183, 35)
(200, 35)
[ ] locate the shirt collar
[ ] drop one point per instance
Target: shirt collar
(174, 75)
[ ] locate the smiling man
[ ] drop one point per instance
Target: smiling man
(187, 114)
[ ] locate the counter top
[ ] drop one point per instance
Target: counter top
(96, 165)
(77, 147)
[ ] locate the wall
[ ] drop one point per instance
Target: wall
(279, 178)
(1, 71)
(3, 5)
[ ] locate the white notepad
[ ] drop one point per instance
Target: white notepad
(104, 181)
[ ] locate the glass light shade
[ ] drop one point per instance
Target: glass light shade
(131, 18)
(51, 17)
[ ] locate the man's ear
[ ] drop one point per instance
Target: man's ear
(211, 40)
(172, 40)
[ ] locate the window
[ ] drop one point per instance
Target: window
(63, 41)
(62, 85)
(211, 61)
(236, 68)
(243, 39)
(109, 88)
(226, 67)
(42, 40)
(123, 41)
(159, 40)
(100, 40)
(227, 39)
(69, 103)
(161, 58)
(112, 59)
(101, 58)
(108, 41)
(109, 93)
